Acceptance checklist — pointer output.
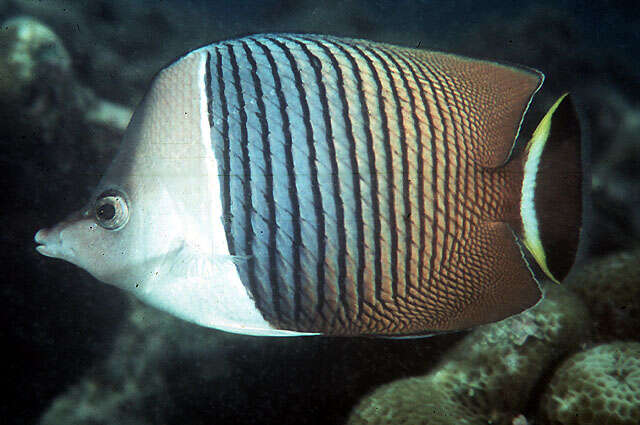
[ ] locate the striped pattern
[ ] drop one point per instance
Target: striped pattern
(355, 179)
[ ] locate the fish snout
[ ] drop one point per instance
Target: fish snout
(49, 242)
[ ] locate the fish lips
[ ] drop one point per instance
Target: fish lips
(51, 241)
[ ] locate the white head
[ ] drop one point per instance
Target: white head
(129, 227)
(153, 225)
(154, 198)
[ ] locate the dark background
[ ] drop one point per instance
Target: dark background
(59, 324)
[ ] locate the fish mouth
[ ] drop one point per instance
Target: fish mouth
(49, 244)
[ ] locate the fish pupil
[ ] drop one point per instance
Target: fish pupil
(106, 212)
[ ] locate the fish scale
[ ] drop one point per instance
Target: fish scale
(346, 67)
(347, 187)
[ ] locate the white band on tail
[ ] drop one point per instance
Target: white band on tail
(530, 224)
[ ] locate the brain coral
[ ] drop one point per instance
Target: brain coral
(490, 376)
(597, 386)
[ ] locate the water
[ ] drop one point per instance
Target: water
(106, 359)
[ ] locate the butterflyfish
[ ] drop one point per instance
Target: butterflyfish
(284, 184)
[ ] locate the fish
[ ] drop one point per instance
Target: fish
(300, 184)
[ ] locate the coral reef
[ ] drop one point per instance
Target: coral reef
(29, 51)
(597, 386)
(118, 45)
(36, 74)
(495, 373)
(489, 377)
(610, 287)
(78, 350)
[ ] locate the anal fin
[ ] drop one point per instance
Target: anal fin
(497, 276)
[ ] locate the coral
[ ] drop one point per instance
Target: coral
(108, 114)
(61, 322)
(118, 45)
(490, 375)
(29, 51)
(413, 401)
(36, 74)
(597, 386)
(610, 287)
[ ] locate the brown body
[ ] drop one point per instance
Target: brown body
(394, 207)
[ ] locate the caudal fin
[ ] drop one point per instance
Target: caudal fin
(551, 203)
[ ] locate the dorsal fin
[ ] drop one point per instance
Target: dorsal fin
(492, 97)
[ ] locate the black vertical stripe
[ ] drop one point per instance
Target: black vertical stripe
(226, 160)
(421, 196)
(420, 164)
(405, 171)
(434, 182)
(246, 180)
(207, 88)
(450, 102)
(354, 171)
(351, 142)
(389, 170)
(292, 190)
(316, 64)
(268, 195)
(435, 155)
(454, 106)
(315, 185)
(445, 157)
(373, 178)
(341, 230)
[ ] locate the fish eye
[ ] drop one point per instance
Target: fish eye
(111, 210)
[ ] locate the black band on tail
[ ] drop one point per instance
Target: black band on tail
(558, 192)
